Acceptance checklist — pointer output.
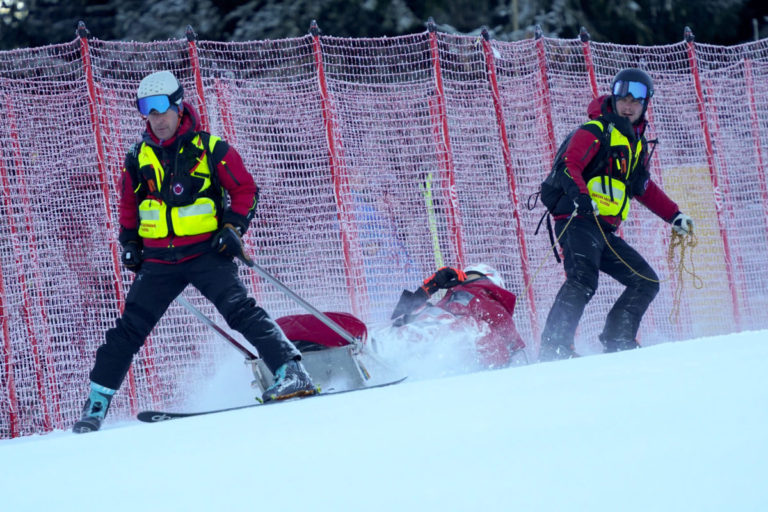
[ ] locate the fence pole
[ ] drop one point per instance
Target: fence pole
(490, 65)
(587, 50)
(13, 405)
(342, 190)
(445, 153)
(93, 106)
(195, 63)
(545, 94)
(700, 102)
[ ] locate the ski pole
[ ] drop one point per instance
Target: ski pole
(301, 302)
(250, 357)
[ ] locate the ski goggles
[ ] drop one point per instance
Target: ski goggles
(638, 90)
(160, 104)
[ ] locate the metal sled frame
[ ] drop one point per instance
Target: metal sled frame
(322, 364)
(331, 368)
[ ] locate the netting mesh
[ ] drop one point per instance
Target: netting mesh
(378, 161)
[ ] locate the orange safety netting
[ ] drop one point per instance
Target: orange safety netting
(378, 160)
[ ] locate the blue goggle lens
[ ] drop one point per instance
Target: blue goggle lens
(638, 90)
(160, 104)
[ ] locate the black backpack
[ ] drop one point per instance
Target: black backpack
(552, 189)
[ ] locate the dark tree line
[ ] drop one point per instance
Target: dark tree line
(28, 23)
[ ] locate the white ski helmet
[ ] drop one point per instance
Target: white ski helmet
(158, 91)
(488, 271)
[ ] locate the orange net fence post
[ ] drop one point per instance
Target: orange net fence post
(525, 265)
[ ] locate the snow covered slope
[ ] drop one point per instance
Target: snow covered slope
(676, 426)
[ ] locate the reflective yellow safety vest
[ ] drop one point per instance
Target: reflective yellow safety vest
(184, 202)
(609, 187)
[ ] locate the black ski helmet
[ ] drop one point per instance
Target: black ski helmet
(632, 81)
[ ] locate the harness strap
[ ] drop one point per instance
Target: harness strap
(551, 233)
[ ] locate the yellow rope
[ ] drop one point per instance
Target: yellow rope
(597, 221)
(682, 243)
(678, 242)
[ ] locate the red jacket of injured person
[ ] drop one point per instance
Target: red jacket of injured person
(475, 303)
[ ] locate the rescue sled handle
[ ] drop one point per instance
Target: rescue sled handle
(249, 356)
(301, 302)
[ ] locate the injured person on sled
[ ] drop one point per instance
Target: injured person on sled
(470, 327)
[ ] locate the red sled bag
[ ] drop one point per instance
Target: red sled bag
(309, 333)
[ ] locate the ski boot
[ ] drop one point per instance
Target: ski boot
(291, 380)
(94, 410)
(555, 352)
(614, 345)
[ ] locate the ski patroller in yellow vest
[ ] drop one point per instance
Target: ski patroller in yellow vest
(193, 210)
(609, 191)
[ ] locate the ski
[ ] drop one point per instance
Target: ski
(158, 416)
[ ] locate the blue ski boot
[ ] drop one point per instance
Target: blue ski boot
(291, 380)
(94, 410)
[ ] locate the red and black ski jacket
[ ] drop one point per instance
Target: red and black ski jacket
(584, 159)
(230, 177)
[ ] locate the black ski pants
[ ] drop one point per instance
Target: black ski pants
(153, 290)
(585, 255)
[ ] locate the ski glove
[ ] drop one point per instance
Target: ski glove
(131, 256)
(227, 241)
(445, 277)
(682, 224)
(585, 206)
